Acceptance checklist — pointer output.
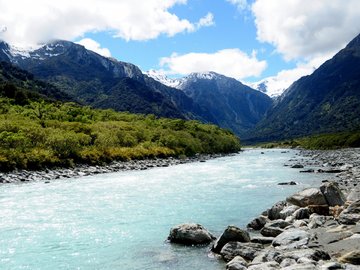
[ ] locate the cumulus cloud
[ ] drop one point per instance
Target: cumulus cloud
(305, 29)
(40, 20)
(230, 62)
(94, 46)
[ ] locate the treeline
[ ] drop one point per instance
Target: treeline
(322, 141)
(36, 134)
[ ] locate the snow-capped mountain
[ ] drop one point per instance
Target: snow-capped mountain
(270, 86)
(162, 78)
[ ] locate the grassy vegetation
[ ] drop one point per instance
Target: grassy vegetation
(322, 141)
(35, 134)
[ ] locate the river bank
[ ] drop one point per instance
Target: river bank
(317, 228)
(81, 170)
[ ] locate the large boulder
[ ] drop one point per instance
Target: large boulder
(231, 233)
(190, 234)
(309, 196)
(292, 238)
(238, 263)
(288, 211)
(270, 231)
(301, 213)
(246, 250)
(332, 193)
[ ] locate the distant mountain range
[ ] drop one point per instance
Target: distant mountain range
(103, 82)
(326, 101)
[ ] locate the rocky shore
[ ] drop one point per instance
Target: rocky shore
(47, 175)
(316, 228)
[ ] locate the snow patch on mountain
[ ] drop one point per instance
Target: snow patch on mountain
(162, 78)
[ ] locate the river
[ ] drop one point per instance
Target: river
(121, 220)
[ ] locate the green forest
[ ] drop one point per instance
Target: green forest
(36, 133)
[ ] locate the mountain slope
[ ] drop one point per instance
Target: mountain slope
(93, 79)
(326, 101)
(226, 101)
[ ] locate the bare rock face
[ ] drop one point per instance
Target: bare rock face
(332, 193)
(190, 234)
(231, 234)
(309, 196)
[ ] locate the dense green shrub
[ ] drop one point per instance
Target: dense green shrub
(40, 134)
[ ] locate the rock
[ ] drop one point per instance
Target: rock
(271, 231)
(331, 266)
(267, 255)
(301, 266)
(352, 257)
(332, 193)
(292, 238)
(299, 223)
(302, 213)
(350, 215)
(319, 209)
(297, 166)
(308, 171)
(274, 211)
(312, 254)
(354, 195)
(190, 234)
(246, 250)
(316, 220)
(258, 223)
(238, 263)
(288, 211)
(231, 234)
(291, 183)
(265, 266)
(287, 262)
(278, 223)
(309, 196)
(262, 240)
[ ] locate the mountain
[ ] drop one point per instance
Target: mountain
(227, 102)
(93, 79)
(326, 101)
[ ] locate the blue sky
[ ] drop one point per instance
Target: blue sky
(276, 41)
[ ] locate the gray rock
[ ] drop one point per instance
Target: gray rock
(278, 223)
(352, 257)
(331, 266)
(246, 250)
(309, 196)
(267, 255)
(231, 234)
(262, 240)
(297, 166)
(238, 263)
(271, 231)
(274, 211)
(354, 195)
(316, 220)
(265, 266)
(287, 262)
(332, 193)
(288, 211)
(190, 234)
(301, 266)
(350, 215)
(299, 223)
(292, 238)
(312, 254)
(302, 213)
(258, 223)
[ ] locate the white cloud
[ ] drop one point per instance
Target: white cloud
(94, 46)
(241, 4)
(230, 62)
(208, 20)
(304, 29)
(40, 20)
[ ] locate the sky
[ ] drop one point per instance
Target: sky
(250, 40)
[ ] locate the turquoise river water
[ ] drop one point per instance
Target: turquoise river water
(121, 220)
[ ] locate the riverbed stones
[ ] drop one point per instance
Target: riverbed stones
(190, 234)
(248, 251)
(309, 196)
(332, 193)
(231, 233)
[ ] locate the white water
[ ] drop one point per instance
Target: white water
(121, 220)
